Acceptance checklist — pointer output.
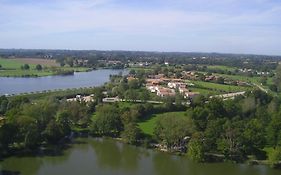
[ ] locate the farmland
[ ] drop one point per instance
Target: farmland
(13, 68)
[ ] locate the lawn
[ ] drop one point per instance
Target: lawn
(147, 126)
(204, 91)
(219, 87)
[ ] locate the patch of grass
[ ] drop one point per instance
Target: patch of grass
(219, 87)
(204, 91)
(10, 64)
(147, 126)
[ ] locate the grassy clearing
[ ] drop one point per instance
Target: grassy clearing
(147, 126)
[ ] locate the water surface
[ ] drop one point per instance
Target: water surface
(16, 85)
(109, 157)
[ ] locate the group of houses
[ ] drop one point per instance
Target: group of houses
(81, 98)
(191, 75)
(165, 87)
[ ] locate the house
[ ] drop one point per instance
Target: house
(165, 92)
(154, 81)
(191, 95)
(183, 90)
(172, 85)
(151, 87)
(176, 85)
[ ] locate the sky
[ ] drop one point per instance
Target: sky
(227, 26)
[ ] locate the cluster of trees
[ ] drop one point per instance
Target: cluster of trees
(127, 89)
(232, 129)
(237, 128)
(114, 120)
(28, 124)
(25, 67)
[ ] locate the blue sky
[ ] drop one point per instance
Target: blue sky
(229, 26)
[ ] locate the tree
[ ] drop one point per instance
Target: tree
(25, 67)
(274, 157)
(132, 72)
(131, 94)
(62, 119)
(253, 137)
(3, 104)
(274, 131)
(215, 108)
(0, 66)
(17, 102)
(7, 135)
(277, 79)
(69, 61)
(131, 133)
(29, 133)
(212, 134)
(195, 148)
(171, 130)
(98, 94)
(53, 132)
(108, 121)
(38, 67)
(199, 117)
(230, 143)
(144, 95)
(134, 84)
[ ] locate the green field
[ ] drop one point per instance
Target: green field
(12, 68)
(204, 91)
(218, 88)
(12, 64)
(147, 126)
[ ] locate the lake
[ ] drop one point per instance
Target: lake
(109, 157)
(16, 85)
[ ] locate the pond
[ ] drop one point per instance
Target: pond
(16, 85)
(109, 157)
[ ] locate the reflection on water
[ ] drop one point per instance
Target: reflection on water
(107, 157)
